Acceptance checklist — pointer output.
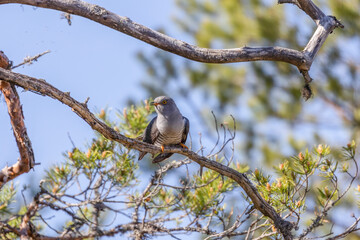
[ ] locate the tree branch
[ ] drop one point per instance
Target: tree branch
(29, 60)
(44, 88)
(325, 26)
(125, 25)
(12, 99)
(311, 9)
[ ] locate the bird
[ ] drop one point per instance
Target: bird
(169, 127)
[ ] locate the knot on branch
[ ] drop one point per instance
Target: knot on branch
(285, 228)
(338, 24)
(97, 10)
(86, 102)
(306, 91)
(4, 61)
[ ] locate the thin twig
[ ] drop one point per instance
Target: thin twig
(29, 60)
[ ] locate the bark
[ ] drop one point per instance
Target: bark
(26, 161)
(301, 59)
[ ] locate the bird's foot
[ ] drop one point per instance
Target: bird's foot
(183, 145)
(162, 148)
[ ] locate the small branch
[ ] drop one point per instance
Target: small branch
(27, 160)
(29, 60)
(45, 88)
(25, 225)
(68, 17)
(227, 231)
(349, 230)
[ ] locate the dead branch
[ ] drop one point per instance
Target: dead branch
(12, 99)
(29, 60)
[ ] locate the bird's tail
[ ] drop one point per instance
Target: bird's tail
(161, 157)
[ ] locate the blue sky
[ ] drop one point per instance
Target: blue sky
(86, 59)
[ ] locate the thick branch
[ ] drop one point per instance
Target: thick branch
(42, 87)
(162, 41)
(26, 161)
(311, 9)
(325, 26)
(301, 59)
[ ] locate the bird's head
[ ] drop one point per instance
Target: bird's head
(164, 105)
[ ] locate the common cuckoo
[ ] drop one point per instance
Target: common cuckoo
(169, 127)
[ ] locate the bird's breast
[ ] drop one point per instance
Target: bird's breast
(170, 132)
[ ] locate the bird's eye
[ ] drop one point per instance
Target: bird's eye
(164, 102)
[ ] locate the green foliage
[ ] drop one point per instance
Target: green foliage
(134, 120)
(199, 196)
(96, 170)
(7, 194)
(207, 199)
(115, 162)
(317, 172)
(14, 221)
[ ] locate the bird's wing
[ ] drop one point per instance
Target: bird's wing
(150, 135)
(186, 130)
(151, 132)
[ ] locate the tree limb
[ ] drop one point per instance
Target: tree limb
(311, 9)
(12, 99)
(44, 88)
(301, 59)
(325, 26)
(29, 60)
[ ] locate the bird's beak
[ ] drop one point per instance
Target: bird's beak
(154, 103)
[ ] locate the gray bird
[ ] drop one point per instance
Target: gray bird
(169, 127)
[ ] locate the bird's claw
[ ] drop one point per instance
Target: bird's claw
(183, 145)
